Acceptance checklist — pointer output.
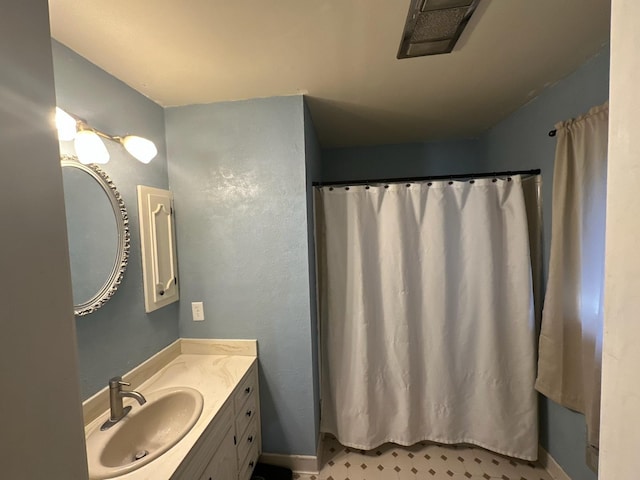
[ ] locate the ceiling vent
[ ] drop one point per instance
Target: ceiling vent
(434, 26)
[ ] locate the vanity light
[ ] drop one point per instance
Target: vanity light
(89, 146)
(66, 125)
(140, 148)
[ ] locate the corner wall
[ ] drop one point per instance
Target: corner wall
(401, 160)
(120, 335)
(239, 179)
(620, 421)
(521, 142)
(313, 167)
(42, 432)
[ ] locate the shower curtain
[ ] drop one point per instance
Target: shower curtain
(426, 315)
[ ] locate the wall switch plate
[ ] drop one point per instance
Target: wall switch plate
(197, 310)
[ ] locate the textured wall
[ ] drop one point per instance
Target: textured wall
(521, 142)
(120, 335)
(403, 160)
(237, 170)
(41, 433)
(620, 423)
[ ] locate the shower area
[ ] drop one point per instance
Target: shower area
(428, 317)
(431, 326)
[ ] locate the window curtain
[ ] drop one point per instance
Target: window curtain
(426, 315)
(570, 351)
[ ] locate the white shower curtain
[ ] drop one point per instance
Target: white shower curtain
(427, 324)
(570, 363)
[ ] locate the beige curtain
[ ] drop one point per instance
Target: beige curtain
(570, 353)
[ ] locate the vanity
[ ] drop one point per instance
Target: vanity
(192, 410)
(218, 379)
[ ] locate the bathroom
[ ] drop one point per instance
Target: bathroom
(260, 291)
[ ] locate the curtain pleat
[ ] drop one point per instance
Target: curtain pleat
(426, 315)
(570, 352)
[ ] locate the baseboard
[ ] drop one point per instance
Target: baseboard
(551, 466)
(296, 463)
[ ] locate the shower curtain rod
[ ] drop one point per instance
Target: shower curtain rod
(466, 176)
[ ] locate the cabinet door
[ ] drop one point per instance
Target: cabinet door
(157, 239)
(223, 465)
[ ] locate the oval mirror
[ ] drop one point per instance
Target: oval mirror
(98, 231)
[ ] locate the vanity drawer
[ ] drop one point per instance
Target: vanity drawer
(248, 412)
(247, 440)
(249, 463)
(246, 389)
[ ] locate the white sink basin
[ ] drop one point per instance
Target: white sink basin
(144, 434)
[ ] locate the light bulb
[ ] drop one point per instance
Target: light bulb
(66, 125)
(90, 148)
(140, 148)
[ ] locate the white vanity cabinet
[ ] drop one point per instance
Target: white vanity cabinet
(230, 446)
(223, 464)
(247, 424)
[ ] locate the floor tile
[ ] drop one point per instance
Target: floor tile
(422, 461)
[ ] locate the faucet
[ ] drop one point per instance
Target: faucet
(116, 394)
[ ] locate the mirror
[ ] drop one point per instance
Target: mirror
(98, 231)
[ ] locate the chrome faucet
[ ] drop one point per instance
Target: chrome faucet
(116, 394)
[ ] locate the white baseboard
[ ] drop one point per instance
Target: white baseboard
(551, 466)
(296, 463)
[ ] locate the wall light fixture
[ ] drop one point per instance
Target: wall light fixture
(88, 141)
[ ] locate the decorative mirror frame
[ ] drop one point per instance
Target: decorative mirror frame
(124, 238)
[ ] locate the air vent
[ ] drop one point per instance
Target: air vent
(434, 26)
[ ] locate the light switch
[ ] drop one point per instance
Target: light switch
(197, 309)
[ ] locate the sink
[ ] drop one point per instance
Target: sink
(143, 435)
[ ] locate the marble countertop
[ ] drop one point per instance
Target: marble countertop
(197, 364)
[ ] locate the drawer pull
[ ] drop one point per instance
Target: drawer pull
(247, 390)
(251, 464)
(249, 412)
(250, 439)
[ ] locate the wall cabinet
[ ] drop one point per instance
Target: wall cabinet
(230, 446)
(158, 246)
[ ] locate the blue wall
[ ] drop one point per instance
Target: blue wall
(521, 142)
(120, 335)
(238, 174)
(403, 160)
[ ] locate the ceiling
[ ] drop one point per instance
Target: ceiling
(342, 54)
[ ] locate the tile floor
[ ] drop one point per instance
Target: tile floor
(423, 461)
